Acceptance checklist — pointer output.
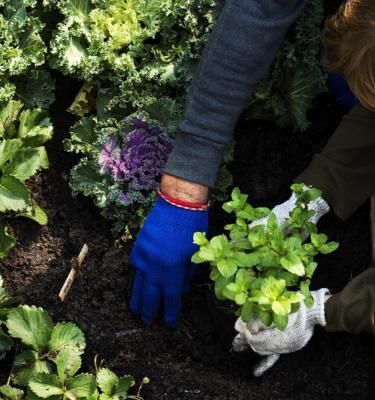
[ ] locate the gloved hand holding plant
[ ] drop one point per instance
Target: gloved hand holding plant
(266, 270)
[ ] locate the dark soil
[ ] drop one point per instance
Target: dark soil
(193, 361)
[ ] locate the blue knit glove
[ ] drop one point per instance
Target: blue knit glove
(340, 89)
(161, 257)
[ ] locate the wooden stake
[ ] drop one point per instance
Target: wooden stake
(75, 265)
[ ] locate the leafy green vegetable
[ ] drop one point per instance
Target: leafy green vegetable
(48, 359)
(22, 155)
(265, 269)
(22, 51)
(295, 79)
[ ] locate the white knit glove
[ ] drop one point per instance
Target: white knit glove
(281, 211)
(271, 342)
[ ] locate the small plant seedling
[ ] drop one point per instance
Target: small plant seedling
(265, 269)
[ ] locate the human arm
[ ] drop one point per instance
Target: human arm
(240, 50)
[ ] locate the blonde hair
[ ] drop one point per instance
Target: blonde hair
(349, 41)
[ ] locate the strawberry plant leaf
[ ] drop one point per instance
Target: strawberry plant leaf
(68, 362)
(26, 162)
(107, 381)
(6, 343)
(11, 393)
(123, 386)
(6, 241)
(26, 365)
(8, 149)
(67, 334)
(46, 385)
(35, 213)
(13, 194)
(83, 385)
(32, 325)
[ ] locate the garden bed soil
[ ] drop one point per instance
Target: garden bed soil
(193, 361)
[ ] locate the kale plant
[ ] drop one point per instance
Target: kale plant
(265, 270)
(22, 155)
(122, 167)
(23, 53)
(141, 53)
(295, 79)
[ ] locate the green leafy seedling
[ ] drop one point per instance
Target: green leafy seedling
(265, 269)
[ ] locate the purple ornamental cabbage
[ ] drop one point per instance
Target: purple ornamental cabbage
(139, 160)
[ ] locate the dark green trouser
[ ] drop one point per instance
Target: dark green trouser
(353, 309)
(345, 172)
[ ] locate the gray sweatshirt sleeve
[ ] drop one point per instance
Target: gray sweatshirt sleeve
(239, 52)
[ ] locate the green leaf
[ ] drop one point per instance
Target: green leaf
(8, 115)
(204, 254)
(280, 321)
(6, 343)
(83, 385)
(124, 384)
(310, 195)
(13, 194)
(35, 213)
(67, 334)
(310, 269)
(32, 325)
(11, 393)
(200, 239)
(82, 136)
(241, 298)
(272, 287)
(26, 162)
(35, 127)
(197, 259)
(26, 365)
(227, 267)
(107, 381)
(8, 149)
(293, 264)
(6, 241)
(328, 248)
(265, 317)
(247, 311)
(281, 308)
(298, 188)
(68, 362)
(46, 385)
(318, 239)
(257, 236)
(36, 89)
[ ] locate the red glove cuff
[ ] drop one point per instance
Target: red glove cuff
(182, 204)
